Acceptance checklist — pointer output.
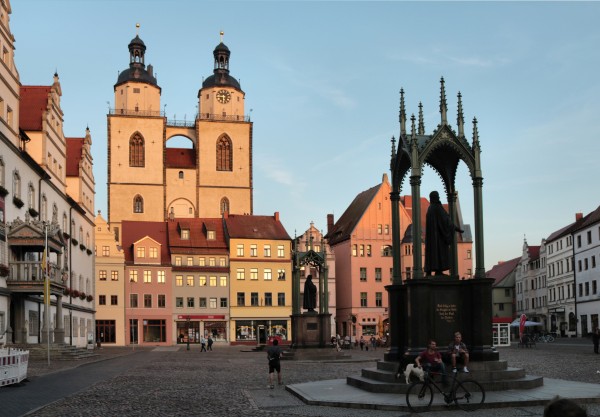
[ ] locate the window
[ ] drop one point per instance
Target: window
(267, 249)
(267, 274)
(224, 154)
(378, 274)
(114, 275)
(253, 274)
(179, 302)
(153, 253)
(105, 250)
(160, 277)
(141, 252)
(579, 241)
(363, 274)
(178, 261)
(223, 302)
(386, 251)
(114, 300)
(387, 229)
(240, 250)
(589, 237)
(212, 281)
(136, 150)
(162, 301)
(594, 287)
(585, 262)
(507, 292)
(223, 281)
(180, 175)
(368, 250)
(469, 254)
(280, 251)
(224, 205)
(378, 299)
(587, 288)
(102, 300)
(147, 300)
(202, 281)
(281, 299)
(379, 229)
(201, 262)
(211, 235)
(190, 302)
(185, 234)
(268, 299)
(281, 275)
(354, 250)
(241, 299)
(222, 262)
(407, 272)
(133, 276)
(254, 299)
(147, 276)
(190, 280)
(179, 280)
(212, 302)
(17, 185)
(241, 273)
(211, 262)
(102, 275)
(361, 251)
(363, 299)
(190, 261)
(30, 196)
(253, 250)
(138, 204)
(133, 300)
(500, 306)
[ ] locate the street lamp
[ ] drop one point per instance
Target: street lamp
(188, 332)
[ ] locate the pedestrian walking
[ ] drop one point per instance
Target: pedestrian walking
(596, 339)
(274, 356)
(362, 343)
(209, 342)
(203, 344)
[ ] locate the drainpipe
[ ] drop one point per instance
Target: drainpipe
(70, 280)
(575, 284)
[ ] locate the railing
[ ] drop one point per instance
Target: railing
(13, 366)
(181, 123)
(134, 112)
(32, 272)
(227, 117)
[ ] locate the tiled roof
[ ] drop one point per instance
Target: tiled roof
(342, 229)
(33, 103)
(534, 252)
(198, 235)
(181, 158)
(590, 219)
(74, 146)
(243, 226)
(502, 270)
(132, 231)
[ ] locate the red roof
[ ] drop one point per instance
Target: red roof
(33, 103)
(198, 242)
(243, 226)
(500, 271)
(534, 252)
(181, 158)
(74, 146)
(134, 231)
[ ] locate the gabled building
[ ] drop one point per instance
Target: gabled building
(261, 278)
(503, 300)
(586, 255)
(200, 268)
(531, 285)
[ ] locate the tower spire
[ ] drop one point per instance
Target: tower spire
(443, 104)
(413, 132)
(475, 134)
(402, 114)
(421, 122)
(460, 121)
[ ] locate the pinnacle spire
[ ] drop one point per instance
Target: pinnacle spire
(421, 122)
(393, 149)
(443, 104)
(475, 133)
(413, 131)
(402, 114)
(460, 120)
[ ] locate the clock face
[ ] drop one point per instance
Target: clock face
(223, 96)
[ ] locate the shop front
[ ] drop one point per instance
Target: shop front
(260, 331)
(192, 327)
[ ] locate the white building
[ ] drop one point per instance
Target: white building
(530, 283)
(586, 240)
(46, 195)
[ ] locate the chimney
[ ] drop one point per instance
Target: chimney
(578, 216)
(329, 223)
(276, 216)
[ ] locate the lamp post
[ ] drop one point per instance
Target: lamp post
(188, 332)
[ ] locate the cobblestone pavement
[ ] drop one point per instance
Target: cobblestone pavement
(230, 382)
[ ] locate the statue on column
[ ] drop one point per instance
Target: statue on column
(439, 228)
(310, 295)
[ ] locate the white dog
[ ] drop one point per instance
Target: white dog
(412, 369)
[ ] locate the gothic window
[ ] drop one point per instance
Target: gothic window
(16, 184)
(138, 204)
(224, 154)
(224, 205)
(136, 151)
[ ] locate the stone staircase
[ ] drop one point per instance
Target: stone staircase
(57, 351)
(493, 375)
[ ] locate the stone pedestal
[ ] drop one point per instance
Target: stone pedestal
(312, 330)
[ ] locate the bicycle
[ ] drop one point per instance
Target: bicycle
(546, 338)
(467, 394)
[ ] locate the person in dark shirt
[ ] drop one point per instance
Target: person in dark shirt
(431, 360)
(274, 356)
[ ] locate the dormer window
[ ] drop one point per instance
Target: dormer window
(211, 235)
(185, 234)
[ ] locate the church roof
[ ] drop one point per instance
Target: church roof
(181, 158)
(32, 105)
(74, 147)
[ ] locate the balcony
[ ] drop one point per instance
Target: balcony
(28, 277)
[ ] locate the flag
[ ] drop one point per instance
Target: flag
(44, 262)
(46, 291)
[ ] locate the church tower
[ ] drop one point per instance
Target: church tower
(150, 181)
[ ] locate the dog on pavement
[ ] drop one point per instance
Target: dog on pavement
(413, 369)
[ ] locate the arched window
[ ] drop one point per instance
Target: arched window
(138, 204)
(224, 154)
(16, 184)
(136, 150)
(180, 175)
(224, 205)
(30, 196)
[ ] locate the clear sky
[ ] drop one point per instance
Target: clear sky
(322, 83)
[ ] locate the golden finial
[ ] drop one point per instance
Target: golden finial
(222, 33)
(137, 29)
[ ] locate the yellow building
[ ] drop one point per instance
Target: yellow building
(261, 278)
(150, 181)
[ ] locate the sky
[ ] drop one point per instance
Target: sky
(322, 82)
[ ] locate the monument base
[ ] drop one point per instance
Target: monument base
(311, 330)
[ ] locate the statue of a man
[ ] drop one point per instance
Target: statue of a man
(310, 295)
(439, 228)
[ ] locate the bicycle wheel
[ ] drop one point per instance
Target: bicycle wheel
(419, 397)
(550, 338)
(468, 395)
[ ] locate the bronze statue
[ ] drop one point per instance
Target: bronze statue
(310, 295)
(439, 228)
